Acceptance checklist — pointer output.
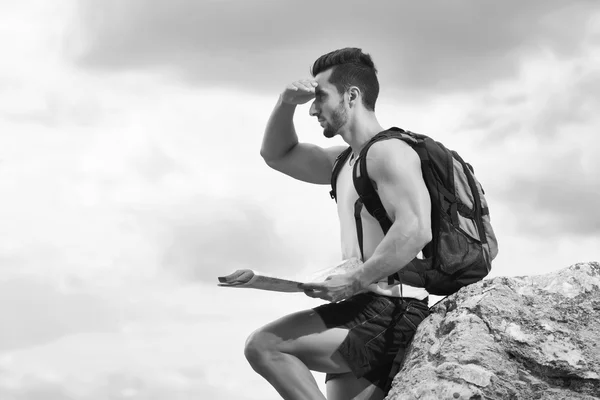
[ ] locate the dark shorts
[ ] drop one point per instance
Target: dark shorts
(380, 327)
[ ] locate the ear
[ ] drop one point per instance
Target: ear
(353, 96)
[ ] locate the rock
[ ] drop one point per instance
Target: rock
(533, 337)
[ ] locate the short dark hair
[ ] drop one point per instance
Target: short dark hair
(351, 67)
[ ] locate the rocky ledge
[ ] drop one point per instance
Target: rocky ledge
(530, 337)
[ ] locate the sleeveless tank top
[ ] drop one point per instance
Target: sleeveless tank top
(372, 235)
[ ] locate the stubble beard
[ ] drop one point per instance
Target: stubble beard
(338, 119)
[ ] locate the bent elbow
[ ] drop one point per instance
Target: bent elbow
(265, 156)
(268, 158)
(273, 163)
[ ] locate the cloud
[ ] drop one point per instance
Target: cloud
(548, 96)
(261, 45)
(208, 236)
(49, 109)
(36, 389)
(560, 201)
(575, 103)
(34, 312)
(161, 349)
(532, 139)
(118, 385)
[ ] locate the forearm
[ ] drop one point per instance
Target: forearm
(398, 247)
(280, 135)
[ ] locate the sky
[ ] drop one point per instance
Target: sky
(130, 174)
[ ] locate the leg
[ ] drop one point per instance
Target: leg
(347, 387)
(285, 351)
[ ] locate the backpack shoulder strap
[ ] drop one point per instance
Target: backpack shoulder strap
(337, 167)
(364, 186)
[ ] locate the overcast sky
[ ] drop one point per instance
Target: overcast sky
(130, 175)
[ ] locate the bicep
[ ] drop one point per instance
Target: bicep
(308, 162)
(395, 170)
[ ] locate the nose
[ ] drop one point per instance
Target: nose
(313, 110)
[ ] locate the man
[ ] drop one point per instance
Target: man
(356, 336)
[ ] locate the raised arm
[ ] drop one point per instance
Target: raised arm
(280, 147)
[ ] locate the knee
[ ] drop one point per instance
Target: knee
(258, 347)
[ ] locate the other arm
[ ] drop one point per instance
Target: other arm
(395, 170)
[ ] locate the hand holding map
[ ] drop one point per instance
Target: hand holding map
(247, 278)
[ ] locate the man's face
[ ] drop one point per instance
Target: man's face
(329, 105)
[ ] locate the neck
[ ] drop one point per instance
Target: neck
(360, 130)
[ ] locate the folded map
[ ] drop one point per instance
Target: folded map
(247, 278)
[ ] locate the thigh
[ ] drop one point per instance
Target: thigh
(304, 335)
(347, 386)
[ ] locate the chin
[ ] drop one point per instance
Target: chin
(328, 133)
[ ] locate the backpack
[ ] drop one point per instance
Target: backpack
(463, 243)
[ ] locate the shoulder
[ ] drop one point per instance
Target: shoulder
(387, 156)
